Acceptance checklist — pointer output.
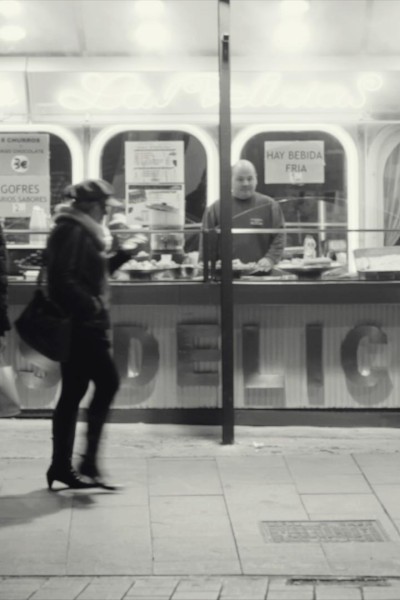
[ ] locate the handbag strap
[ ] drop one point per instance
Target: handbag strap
(40, 277)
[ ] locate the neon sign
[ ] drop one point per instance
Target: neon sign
(132, 91)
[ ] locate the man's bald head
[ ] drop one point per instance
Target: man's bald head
(244, 179)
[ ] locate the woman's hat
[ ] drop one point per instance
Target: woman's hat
(92, 190)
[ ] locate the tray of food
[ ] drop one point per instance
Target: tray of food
(150, 269)
(31, 262)
(312, 267)
(25, 268)
(239, 268)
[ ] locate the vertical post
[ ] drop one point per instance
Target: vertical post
(226, 304)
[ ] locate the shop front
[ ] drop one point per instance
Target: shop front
(314, 343)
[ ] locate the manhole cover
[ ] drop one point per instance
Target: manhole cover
(276, 532)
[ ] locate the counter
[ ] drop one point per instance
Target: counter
(287, 292)
(300, 347)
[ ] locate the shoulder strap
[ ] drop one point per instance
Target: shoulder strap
(40, 277)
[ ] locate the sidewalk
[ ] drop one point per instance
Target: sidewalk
(284, 513)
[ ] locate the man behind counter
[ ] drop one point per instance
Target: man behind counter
(250, 210)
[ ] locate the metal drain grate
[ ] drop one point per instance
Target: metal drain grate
(277, 532)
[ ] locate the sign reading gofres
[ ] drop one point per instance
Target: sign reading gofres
(24, 173)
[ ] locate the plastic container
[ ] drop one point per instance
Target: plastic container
(378, 264)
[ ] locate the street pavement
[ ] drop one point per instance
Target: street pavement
(291, 513)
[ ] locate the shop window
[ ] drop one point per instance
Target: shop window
(194, 184)
(312, 192)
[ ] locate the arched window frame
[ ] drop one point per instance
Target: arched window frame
(381, 148)
(103, 136)
(352, 158)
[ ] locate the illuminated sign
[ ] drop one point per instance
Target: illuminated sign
(198, 359)
(199, 355)
(191, 92)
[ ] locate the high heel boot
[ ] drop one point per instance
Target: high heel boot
(90, 470)
(67, 475)
(88, 466)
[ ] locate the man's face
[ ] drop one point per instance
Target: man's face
(244, 182)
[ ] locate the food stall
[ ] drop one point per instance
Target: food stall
(315, 341)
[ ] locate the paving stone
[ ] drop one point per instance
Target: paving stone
(61, 588)
(391, 592)
(366, 559)
(148, 597)
(238, 588)
(14, 588)
(198, 589)
(278, 583)
(296, 594)
(114, 542)
(176, 477)
(197, 567)
(337, 592)
(107, 588)
(157, 588)
(199, 595)
(281, 589)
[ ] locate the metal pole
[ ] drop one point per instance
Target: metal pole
(226, 304)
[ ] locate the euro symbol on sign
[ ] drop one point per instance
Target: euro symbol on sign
(19, 163)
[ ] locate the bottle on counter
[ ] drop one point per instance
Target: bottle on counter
(309, 248)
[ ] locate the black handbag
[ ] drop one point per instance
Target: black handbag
(45, 327)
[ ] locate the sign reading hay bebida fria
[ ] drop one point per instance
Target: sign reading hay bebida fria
(24, 173)
(295, 162)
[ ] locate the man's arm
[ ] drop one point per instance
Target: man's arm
(275, 251)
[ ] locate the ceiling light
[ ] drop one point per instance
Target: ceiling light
(291, 36)
(12, 33)
(10, 8)
(152, 35)
(294, 8)
(149, 8)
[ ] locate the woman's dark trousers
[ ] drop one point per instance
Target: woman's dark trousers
(90, 360)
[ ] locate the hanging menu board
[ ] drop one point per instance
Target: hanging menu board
(154, 173)
(155, 189)
(24, 173)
